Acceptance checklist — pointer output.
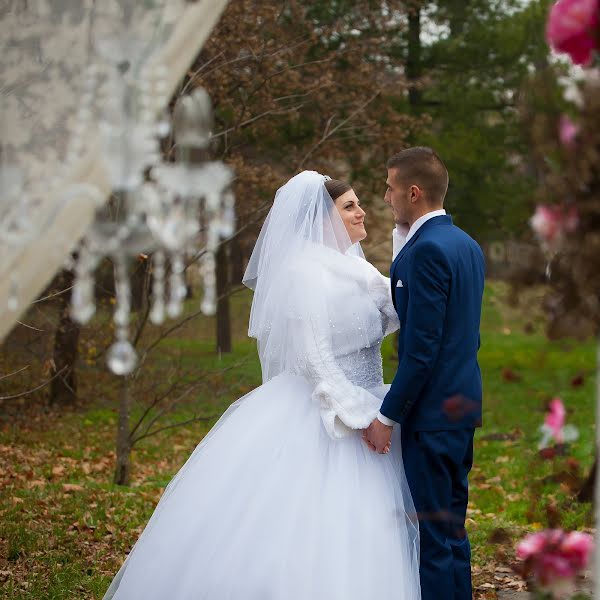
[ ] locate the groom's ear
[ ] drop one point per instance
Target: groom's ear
(415, 193)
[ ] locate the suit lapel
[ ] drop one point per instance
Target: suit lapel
(406, 247)
(441, 220)
(393, 282)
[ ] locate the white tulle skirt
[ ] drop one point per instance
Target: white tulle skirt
(268, 507)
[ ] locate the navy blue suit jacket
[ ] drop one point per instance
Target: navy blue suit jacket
(437, 287)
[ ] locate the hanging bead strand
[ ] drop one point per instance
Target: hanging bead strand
(157, 314)
(122, 358)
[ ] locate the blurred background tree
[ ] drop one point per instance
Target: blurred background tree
(473, 67)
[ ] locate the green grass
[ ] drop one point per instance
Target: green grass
(65, 528)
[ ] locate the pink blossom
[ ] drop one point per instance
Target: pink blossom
(552, 567)
(579, 547)
(531, 545)
(551, 223)
(555, 419)
(554, 427)
(554, 558)
(567, 132)
(572, 28)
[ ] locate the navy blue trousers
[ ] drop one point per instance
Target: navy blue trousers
(437, 464)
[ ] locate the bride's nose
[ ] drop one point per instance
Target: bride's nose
(361, 212)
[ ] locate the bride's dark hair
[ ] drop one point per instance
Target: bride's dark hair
(336, 188)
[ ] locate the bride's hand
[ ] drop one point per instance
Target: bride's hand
(378, 437)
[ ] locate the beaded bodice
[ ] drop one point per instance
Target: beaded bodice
(363, 368)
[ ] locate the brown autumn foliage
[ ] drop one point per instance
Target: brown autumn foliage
(296, 86)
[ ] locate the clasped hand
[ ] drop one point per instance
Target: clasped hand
(378, 437)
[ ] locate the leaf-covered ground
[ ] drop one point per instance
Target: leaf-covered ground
(65, 528)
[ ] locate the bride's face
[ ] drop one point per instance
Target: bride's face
(353, 216)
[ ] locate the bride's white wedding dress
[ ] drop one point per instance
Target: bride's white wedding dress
(282, 500)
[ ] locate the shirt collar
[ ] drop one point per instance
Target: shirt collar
(419, 222)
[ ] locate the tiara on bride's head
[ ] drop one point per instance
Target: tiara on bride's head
(326, 178)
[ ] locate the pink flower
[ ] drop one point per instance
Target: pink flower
(555, 419)
(552, 567)
(554, 558)
(551, 223)
(572, 28)
(531, 545)
(578, 546)
(554, 426)
(567, 132)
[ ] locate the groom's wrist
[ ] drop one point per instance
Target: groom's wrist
(385, 420)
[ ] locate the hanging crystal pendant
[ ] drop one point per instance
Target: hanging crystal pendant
(157, 313)
(177, 287)
(207, 270)
(122, 358)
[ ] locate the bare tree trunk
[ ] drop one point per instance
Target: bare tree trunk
(223, 308)
(63, 390)
(459, 10)
(236, 258)
(123, 467)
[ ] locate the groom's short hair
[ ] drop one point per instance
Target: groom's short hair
(421, 166)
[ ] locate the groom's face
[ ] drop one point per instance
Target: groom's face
(398, 197)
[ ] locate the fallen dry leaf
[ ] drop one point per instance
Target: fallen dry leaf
(72, 487)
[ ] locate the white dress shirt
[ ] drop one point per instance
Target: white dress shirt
(400, 236)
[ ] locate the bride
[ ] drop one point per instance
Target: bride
(282, 500)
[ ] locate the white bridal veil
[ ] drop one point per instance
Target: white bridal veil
(302, 233)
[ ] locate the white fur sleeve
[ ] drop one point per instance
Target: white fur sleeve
(343, 405)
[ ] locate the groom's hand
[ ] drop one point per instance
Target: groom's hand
(378, 436)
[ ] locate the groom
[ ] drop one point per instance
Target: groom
(437, 286)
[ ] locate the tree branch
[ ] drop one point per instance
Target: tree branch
(173, 425)
(35, 389)
(327, 134)
(15, 372)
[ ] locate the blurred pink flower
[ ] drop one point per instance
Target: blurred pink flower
(555, 418)
(578, 546)
(554, 558)
(554, 425)
(572, 28)
(553, 567)
(531, 545)
(567, 132)
(551, 223)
